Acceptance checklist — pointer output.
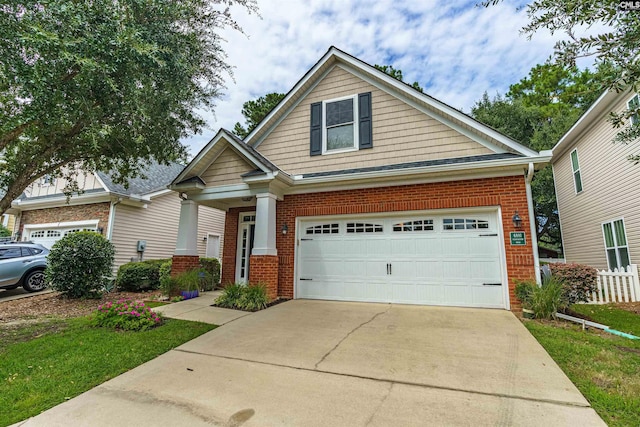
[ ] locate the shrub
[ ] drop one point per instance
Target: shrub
(578, 280)
(212, 267)
(253, 298)
(4, 231)
(126, 315)
(79, 264)
(139, 276)
(167, 284)
(230, 296)
(543, 300)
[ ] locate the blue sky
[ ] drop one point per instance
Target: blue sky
(454, 49)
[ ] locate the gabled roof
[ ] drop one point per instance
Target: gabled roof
(154, 177)
(594, 114)
(440, 111)
(215, 147)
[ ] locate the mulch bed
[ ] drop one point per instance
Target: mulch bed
(271, 304)
(54, 305)
(633, 307)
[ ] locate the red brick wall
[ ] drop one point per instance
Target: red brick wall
(507, 192)
(231, 245)
(99, 211)
(264, 269)
(182, 263)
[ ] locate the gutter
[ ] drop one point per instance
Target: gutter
(532, 222)
(112, 217)
(300, 180)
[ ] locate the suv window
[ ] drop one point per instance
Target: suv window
(7, 253)
(35, 251)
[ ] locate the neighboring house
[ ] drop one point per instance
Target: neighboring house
(145, 211)
(8, 221)
(358, 187)
(598, 189)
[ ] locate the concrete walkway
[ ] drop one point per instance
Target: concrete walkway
(317, 363)
(200, 310)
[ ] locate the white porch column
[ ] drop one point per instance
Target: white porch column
(187, 243)
(264, 241)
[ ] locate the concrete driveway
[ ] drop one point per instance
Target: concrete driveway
(318, 363)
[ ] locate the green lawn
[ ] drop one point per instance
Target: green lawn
(43, 364)
(613, 317)
(605, 368)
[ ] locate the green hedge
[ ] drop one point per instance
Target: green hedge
(140, 276)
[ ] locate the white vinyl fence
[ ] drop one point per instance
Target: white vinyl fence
(617, 286)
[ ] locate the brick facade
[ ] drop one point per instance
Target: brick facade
(182, 263)
(99, 211)
(507, 192)
(264, 269)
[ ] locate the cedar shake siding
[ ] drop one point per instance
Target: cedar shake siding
(395, 124)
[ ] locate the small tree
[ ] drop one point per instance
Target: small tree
(80, 264)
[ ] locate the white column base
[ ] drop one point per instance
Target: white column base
(187, 242)
(264, 240)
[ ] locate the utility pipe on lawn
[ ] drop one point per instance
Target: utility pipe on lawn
(532, 222)
(605, 328)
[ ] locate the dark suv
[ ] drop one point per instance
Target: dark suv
(23, 264)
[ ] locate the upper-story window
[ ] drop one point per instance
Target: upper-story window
(341, 124)
(575, 167)
(340, 132)
(634, 104)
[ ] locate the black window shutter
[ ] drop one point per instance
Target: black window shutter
(316, 129)
(364, 122)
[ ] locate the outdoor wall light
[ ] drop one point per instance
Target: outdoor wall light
(285, 228)
(100, 230)
(204, 239)
(517, 221)
(247, 198)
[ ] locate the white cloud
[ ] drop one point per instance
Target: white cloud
(455, 50)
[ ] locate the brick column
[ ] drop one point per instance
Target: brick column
(182, 263)
(264, 269)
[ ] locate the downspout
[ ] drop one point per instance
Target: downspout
(112, 217)
(532, 223)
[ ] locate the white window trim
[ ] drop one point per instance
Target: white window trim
(637, 96)
(613, 230)
(356, 142)
(209, 235)
(573, 172)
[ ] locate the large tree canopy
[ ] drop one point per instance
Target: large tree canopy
(396, 73)
(104, 84)
(537, 111)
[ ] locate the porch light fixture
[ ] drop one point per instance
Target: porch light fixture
(517, 221)
(247, 198)
(204, 239)
(285, 228)
(100, 230)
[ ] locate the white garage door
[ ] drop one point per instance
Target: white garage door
(48, 236)
(446, 259)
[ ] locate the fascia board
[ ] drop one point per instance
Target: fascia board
(462, 168)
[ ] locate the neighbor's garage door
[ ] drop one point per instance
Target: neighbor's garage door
(47, 237)
(452, 259)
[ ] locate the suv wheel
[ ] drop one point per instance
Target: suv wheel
(34, 281)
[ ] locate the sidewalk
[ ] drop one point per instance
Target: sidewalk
(199, 310)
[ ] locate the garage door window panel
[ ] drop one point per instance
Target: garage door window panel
(361, 227)
(333, 228)
(37, 234)
(449, 224)
(417, 225)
